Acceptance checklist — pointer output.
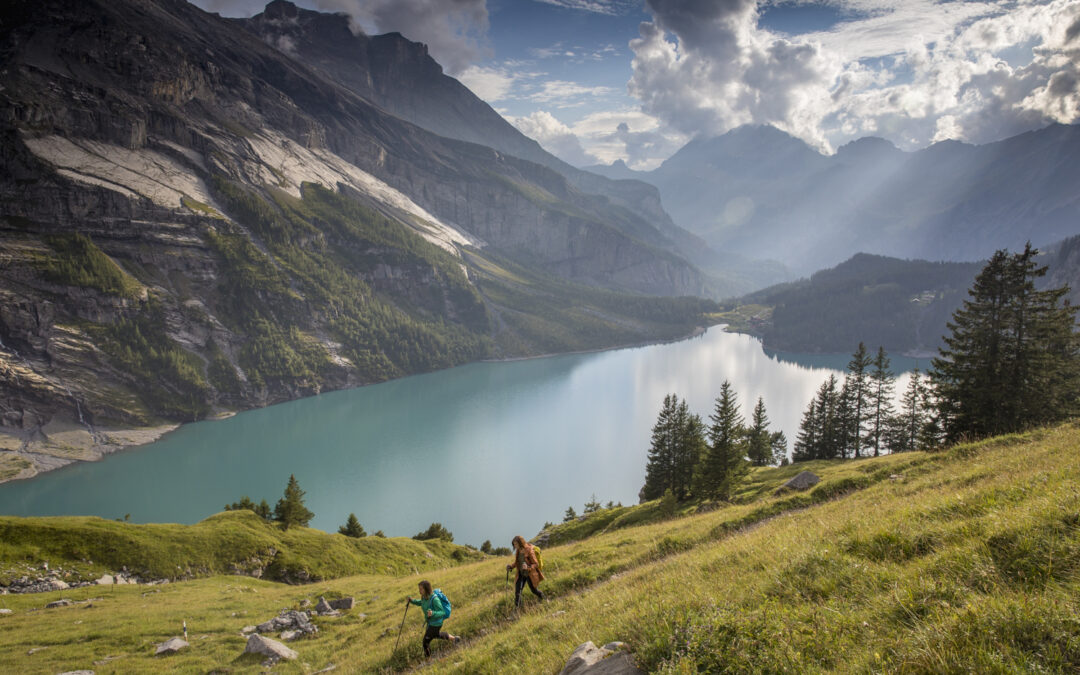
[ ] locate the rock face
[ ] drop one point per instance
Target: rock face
(611, 659)
(171, 646)
(233, 202)
(803, 481)
(258, 644)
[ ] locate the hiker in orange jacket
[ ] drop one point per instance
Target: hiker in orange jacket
(528, 569)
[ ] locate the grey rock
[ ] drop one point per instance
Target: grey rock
(290, 635)
(249, 629)
(258, 644)
(305, 603)
(343, 603)
(323, 606)
(803, 481)
(106, 580)
(171, 646)
(588, 659)
(332, 612)
(266, 627)
(78, 672)
(4, 612)
(62, 602)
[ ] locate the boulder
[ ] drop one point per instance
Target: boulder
(804, 481)
(258, 644)
(611, 659)
(342, 603)
(106, 580)
(62, 602)
(171, 646)
(290, 635)
(323, 606)
(249, 629)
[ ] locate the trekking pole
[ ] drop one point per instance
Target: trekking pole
(398, 641)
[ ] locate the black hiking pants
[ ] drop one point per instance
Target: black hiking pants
(523, 579)
(433, 633)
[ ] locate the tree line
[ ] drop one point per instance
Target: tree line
(1011, 361)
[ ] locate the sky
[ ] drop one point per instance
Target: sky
(595, 81)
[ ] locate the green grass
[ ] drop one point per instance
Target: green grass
(221, 544)
(77, 261)
(966, 561)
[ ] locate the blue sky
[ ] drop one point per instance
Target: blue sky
(600, 80)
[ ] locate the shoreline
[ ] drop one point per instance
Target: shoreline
(27, 455)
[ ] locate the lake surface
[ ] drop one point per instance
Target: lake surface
(490, 450)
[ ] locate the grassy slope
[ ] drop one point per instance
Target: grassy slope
(91, 546)
(966, 563)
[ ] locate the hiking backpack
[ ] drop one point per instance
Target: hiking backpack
(539, 558)
(444, 600)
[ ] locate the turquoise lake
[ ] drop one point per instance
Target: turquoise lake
(490, 450)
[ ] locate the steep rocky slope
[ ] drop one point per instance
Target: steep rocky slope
(192, 221)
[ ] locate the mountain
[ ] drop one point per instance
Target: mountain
(400, 76)
(759, 192)
(192, 220)
(902, 305)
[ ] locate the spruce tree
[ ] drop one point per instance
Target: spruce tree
(724, 464)
(661, 465)
(290, 509)
(1012, 359)
(858, 390)
(758, 441)
(570, 514)
(806, 442)
(879, 402)
(778, 445)
(907, 427)
(352, 527)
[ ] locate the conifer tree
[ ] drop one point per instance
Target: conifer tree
(879, 402)
(858, 390)
(778, 445)
(907, 426)
(724, 464)
(678, 439)
(290, 509)
(352, 527)
(1012, 359)
(758, 441)
(570, 514)
(806, 442)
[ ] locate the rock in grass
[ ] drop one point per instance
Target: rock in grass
(258, 644)
(323, 606)
(342, 603)
(803, 481)
(171, 646)
(611, 659)
(62, 602)
(6, 611)
(78, 672)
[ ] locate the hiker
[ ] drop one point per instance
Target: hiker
(528, 569)
(434, 614)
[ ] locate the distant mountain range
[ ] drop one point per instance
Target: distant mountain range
(758, 192)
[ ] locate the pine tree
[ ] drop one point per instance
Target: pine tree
(570, 514)
(591, 506)
(678, 439)
(858, 385)
(352, 527)
(778, 445)
(1012, 359)
(806, 442)
(907, 426)
(879, 402)
(758, 441)
(724, 464)
(290, 509)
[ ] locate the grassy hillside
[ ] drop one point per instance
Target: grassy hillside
(959, 561)
(222, 544)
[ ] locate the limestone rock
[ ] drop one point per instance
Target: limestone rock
(171, 646)
(62, 602)
(6, 611)
(290, 635)
(323, 606)
(342, 603)
(804, 481)
(106, 580)
(258, 644)
(611, 659)
(78, 672)
(248, 629)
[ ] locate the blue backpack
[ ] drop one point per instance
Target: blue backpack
(444, 600)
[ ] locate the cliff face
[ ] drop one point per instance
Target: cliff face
(192, 220)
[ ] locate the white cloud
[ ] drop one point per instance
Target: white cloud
(490, 84)
(914, 71)
(565, 94)
(455, 31)
(554, 136)
(610, 7)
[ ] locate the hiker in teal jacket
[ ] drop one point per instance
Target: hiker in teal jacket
(434, 615)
